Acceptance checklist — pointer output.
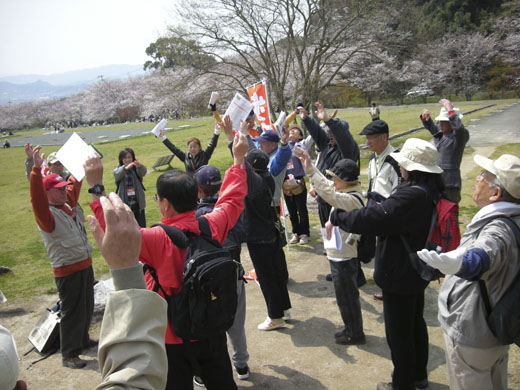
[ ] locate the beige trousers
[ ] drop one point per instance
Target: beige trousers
(476, 368)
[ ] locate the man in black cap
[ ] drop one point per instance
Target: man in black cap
(383, 171)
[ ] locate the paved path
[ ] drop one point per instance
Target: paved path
(498, 128)
(91, 136)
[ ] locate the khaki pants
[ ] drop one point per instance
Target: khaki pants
(476, 368)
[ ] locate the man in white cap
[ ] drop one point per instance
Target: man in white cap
(489, 252)
(450, 137)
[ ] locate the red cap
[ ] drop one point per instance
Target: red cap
(54, 181)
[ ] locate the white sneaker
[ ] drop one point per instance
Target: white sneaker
(304, 239)
(294, 239)
(272, 324)
(287, 315)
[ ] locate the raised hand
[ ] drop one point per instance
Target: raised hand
(120, 243)
(425, 114)
(320, 112)
(240, 148)
(37, 159)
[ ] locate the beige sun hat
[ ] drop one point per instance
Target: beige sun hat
(417, 155)
(507, 170)
(444, 115)
(52, 159)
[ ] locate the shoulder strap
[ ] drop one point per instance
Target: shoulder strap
(390, 160)
(483, 289)
(176, 235)
(358, 198)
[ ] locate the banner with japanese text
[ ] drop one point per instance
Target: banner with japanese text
(259, 99)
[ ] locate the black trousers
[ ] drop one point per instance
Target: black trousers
(208, 359)
(344, 277)
(271, 276)
(76, 293)
(297, 207)
(407, 337)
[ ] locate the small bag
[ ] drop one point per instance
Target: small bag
(280, 233)
(293, 187)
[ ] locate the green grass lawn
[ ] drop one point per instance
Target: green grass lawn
(22, 247)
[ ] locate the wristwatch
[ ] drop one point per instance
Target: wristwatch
(97, 189)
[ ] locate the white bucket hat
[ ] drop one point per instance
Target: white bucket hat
(443, 115)
(417, 155)
(506, 168)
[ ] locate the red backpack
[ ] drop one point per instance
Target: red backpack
(444, 230)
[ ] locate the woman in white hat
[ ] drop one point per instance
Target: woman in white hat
(405, 214)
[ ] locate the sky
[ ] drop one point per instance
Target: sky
(54, 36)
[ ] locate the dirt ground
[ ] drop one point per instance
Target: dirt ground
(303, 355)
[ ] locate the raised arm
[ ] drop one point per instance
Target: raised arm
(134, 322)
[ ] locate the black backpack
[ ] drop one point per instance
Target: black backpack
(504, 318)
(207, 302)
(366, 246)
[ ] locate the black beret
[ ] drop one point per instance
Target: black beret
(375, 127)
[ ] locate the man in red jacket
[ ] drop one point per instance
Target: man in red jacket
(177, 201)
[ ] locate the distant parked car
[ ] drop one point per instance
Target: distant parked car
(419, 91)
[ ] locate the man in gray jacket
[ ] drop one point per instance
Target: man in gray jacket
(488, 251)
(450, 137)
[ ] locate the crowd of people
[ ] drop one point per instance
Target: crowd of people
(138, 347)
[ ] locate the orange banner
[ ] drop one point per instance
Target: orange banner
(258, 97)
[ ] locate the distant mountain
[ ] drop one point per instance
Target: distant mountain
(23, 88)
(83, 76)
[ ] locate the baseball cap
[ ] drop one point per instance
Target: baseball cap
(268, 136)
(208, 175)
(54, 181)
(507, 170)
(258, 159)
(8, 360)
(345, 169)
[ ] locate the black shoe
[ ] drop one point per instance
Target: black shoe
(421, 384)
(328, 277)
(4, 270)
(348, 340)
(242, 372)
(361, 282)
(91, 344)
(198, 381)
(73, 362)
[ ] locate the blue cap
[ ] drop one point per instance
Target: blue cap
(208, 175)
(268, 136)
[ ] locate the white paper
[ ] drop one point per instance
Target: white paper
(160, 126)
(213, 98)
(73, 155)
(335, 241)
(238, 110)
(280, 122)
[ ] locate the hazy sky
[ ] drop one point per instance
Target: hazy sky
(52, 36)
